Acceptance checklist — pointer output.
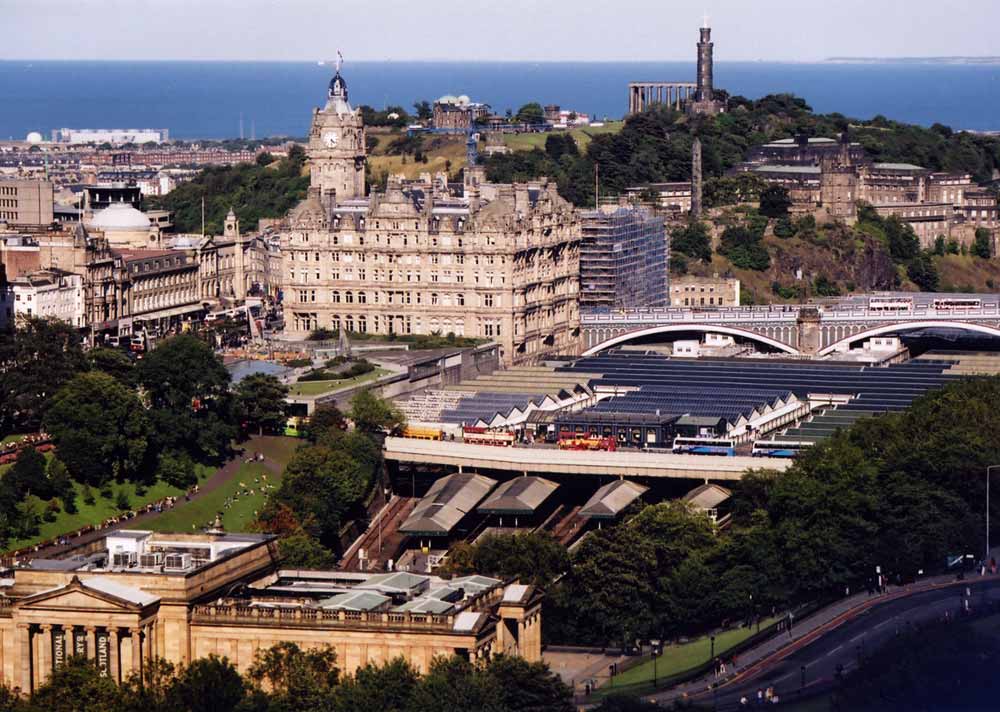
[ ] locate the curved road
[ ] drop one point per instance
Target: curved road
(844, 643)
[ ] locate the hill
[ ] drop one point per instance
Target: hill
(254, 190)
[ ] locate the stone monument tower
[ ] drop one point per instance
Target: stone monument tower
(704, 97)
(336, 149)
(696, 179)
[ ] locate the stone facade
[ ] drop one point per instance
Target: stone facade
(498, 262)
(336, 145)
(26, 202)
(691, 291)
(144, 595)
(50, 293)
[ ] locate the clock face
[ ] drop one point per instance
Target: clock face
(330, 139)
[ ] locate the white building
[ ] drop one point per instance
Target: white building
(46, 293)
(112, 136)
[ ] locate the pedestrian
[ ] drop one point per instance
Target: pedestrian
(743, 701)
(760, 697)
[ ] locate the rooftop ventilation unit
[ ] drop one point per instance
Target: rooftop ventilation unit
(151, 561)
(177, 562)
(123, 559)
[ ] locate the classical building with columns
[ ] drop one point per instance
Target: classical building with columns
(696, 97)
(476, 259)
(138, 595)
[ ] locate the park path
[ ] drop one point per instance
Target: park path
(214, 481)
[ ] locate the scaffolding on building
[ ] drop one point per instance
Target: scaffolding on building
(623, 259)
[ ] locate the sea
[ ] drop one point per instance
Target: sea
(213, 100)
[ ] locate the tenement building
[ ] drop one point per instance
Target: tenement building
(499, 262)
(138, 595)
(26, 202)
(691, 291)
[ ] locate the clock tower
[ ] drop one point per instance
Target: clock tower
(336, 148)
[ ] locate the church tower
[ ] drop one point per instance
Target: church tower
(336, 148)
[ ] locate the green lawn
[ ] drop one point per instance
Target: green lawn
(102, 508)
(278, 448)
(199, 513)
(315, 388)
(11, 439)
(678, 658)
(582, 135)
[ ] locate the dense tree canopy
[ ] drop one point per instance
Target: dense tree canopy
(260, 403)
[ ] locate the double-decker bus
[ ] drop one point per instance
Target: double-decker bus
(705, 446)
(890, 304)
(588, 443)
(779, 448)
(947, 304)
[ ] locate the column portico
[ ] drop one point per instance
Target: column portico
(115, 669)
(44, 655)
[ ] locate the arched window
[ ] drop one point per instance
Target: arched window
(336, 297)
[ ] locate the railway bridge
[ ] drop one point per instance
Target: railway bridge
(804, 329)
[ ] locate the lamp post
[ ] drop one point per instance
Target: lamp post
(991, 467)
(711, 655)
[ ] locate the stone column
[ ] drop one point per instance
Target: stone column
(24, 650)
(44, 655)
(136, 649)
(114, 671)
(150, 650)
(91, 642)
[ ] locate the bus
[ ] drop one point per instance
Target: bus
(485, 436)
(957, 303)
(705, 446)
(588, 443)
(413, 431)
(890, 304)
(779, 448)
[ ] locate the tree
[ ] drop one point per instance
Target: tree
(531, 113)
(775, 202)
(35, 361)
(260, 402)
(209, 684)
(784, 228)
(319, 486)
(923, 273)
(61, 485)
(326, 417)
(424, 110)
(112, 362)
(176, 470)
(455, 685)
(264, 159)
(528, 687)
(385, 687)
(902, 241)
(302, 551)
(372, 414)
(692, 240)
(982, 247)
(534, 558)
(743, 248)
(75, 686)
(99, 428)
(188, 390)
(297, 679)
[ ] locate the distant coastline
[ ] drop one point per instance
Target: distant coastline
(914, 60)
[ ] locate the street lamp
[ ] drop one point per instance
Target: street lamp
(711, 655)
(991, 467)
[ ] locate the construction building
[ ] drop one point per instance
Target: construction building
(623, 259)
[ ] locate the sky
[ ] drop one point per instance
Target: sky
(490, 30)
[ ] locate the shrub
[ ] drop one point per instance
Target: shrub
(121, 500)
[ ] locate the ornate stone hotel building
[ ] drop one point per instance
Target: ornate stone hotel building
(136, 595)
(494, 261)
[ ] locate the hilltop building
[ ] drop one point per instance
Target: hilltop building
(835, 175)
(499, 262)
(458, 113)
(137, 595)
(696, 97)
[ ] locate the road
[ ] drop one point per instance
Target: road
(845, 644)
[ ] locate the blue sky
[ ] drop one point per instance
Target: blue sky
(613, 30)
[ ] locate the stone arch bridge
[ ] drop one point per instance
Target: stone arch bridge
(813, 329)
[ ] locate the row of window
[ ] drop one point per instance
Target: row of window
(490, 279)
(8, 215)
(434, 299)
(393, 258)
(384, 324)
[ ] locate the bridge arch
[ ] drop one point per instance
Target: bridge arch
(703, 328)
(909, 326)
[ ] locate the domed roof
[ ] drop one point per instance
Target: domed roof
(120, 216)
(337, 96)
(34, 137)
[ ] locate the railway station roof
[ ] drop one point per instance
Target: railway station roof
(522, 495)
(610, 500)
(446, 502)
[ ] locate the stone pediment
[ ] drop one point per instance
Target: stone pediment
(78, 596)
